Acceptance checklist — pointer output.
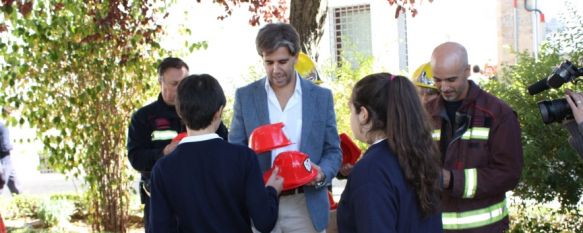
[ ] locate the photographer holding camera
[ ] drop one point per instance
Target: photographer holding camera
(575, 126)
(568, 110)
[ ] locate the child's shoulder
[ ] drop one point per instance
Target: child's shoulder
(238, 148)
(230, 148)
(217, 148)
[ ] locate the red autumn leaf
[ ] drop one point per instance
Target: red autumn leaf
(59, 6)
(254, 21)
(24, 8)
(7, 2)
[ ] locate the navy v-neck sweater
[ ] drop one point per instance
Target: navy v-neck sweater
(211, 186)
(377, 198)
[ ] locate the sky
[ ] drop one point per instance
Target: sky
(231, 42)
(471, 23)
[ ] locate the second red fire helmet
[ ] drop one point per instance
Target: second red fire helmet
(350, 151)
(179, 137)
(294, 167)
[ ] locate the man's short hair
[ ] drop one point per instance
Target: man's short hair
(275, 35)
(170, 62)
(476, 69)
(199, 98)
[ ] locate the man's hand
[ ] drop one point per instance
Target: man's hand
(319, 178)
(169, 148)
(446, 175)
(345, 169)
(275, 181)
(575, 101)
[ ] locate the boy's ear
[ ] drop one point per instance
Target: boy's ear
(219, 114)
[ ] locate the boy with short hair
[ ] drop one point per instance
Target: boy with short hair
(207, 184)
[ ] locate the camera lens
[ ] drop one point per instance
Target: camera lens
(554, 110)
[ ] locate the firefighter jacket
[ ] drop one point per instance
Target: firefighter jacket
(152, 128)
(484, 155)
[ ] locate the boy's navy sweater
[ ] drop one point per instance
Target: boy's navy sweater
(377, 197)
(211, 186)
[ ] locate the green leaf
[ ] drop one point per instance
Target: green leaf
(67, 97)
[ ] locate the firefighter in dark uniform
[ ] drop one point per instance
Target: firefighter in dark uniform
(153, 127)
(479, 138)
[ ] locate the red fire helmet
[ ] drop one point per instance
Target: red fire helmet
(295, 167)
(268, 137)
(2, 226)
(350, 152)
(179, 137)
(333, 204)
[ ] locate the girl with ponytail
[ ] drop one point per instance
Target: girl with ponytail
(395, 187)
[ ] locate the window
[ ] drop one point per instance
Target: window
(352, 33)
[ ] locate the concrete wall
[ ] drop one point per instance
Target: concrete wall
(506, 30)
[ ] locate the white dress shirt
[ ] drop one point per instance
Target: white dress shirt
(291, 116)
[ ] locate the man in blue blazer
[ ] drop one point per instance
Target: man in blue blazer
(307, 112)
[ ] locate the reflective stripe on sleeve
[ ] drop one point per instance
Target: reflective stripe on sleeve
(474, 218)
(471, 177)
(160, 135)
(436, 134)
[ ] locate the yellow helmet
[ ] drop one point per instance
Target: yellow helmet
(423, 76)
(306, 67)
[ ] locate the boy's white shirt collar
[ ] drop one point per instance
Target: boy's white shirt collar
(198, 138)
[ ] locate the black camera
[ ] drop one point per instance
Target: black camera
(556, 110)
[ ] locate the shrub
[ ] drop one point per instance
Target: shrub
(528, 217)
(22, 206)
(78, 201)
(55, 212)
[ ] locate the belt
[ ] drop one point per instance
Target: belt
(292, 191)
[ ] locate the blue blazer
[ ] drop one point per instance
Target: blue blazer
(319, 135)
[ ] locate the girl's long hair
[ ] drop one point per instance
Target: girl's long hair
(395, 108)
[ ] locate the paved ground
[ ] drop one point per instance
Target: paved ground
(45, 184)
(33, 182)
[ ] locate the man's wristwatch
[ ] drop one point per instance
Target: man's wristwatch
(321, 183)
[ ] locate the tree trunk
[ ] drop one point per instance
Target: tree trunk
(308, 17)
